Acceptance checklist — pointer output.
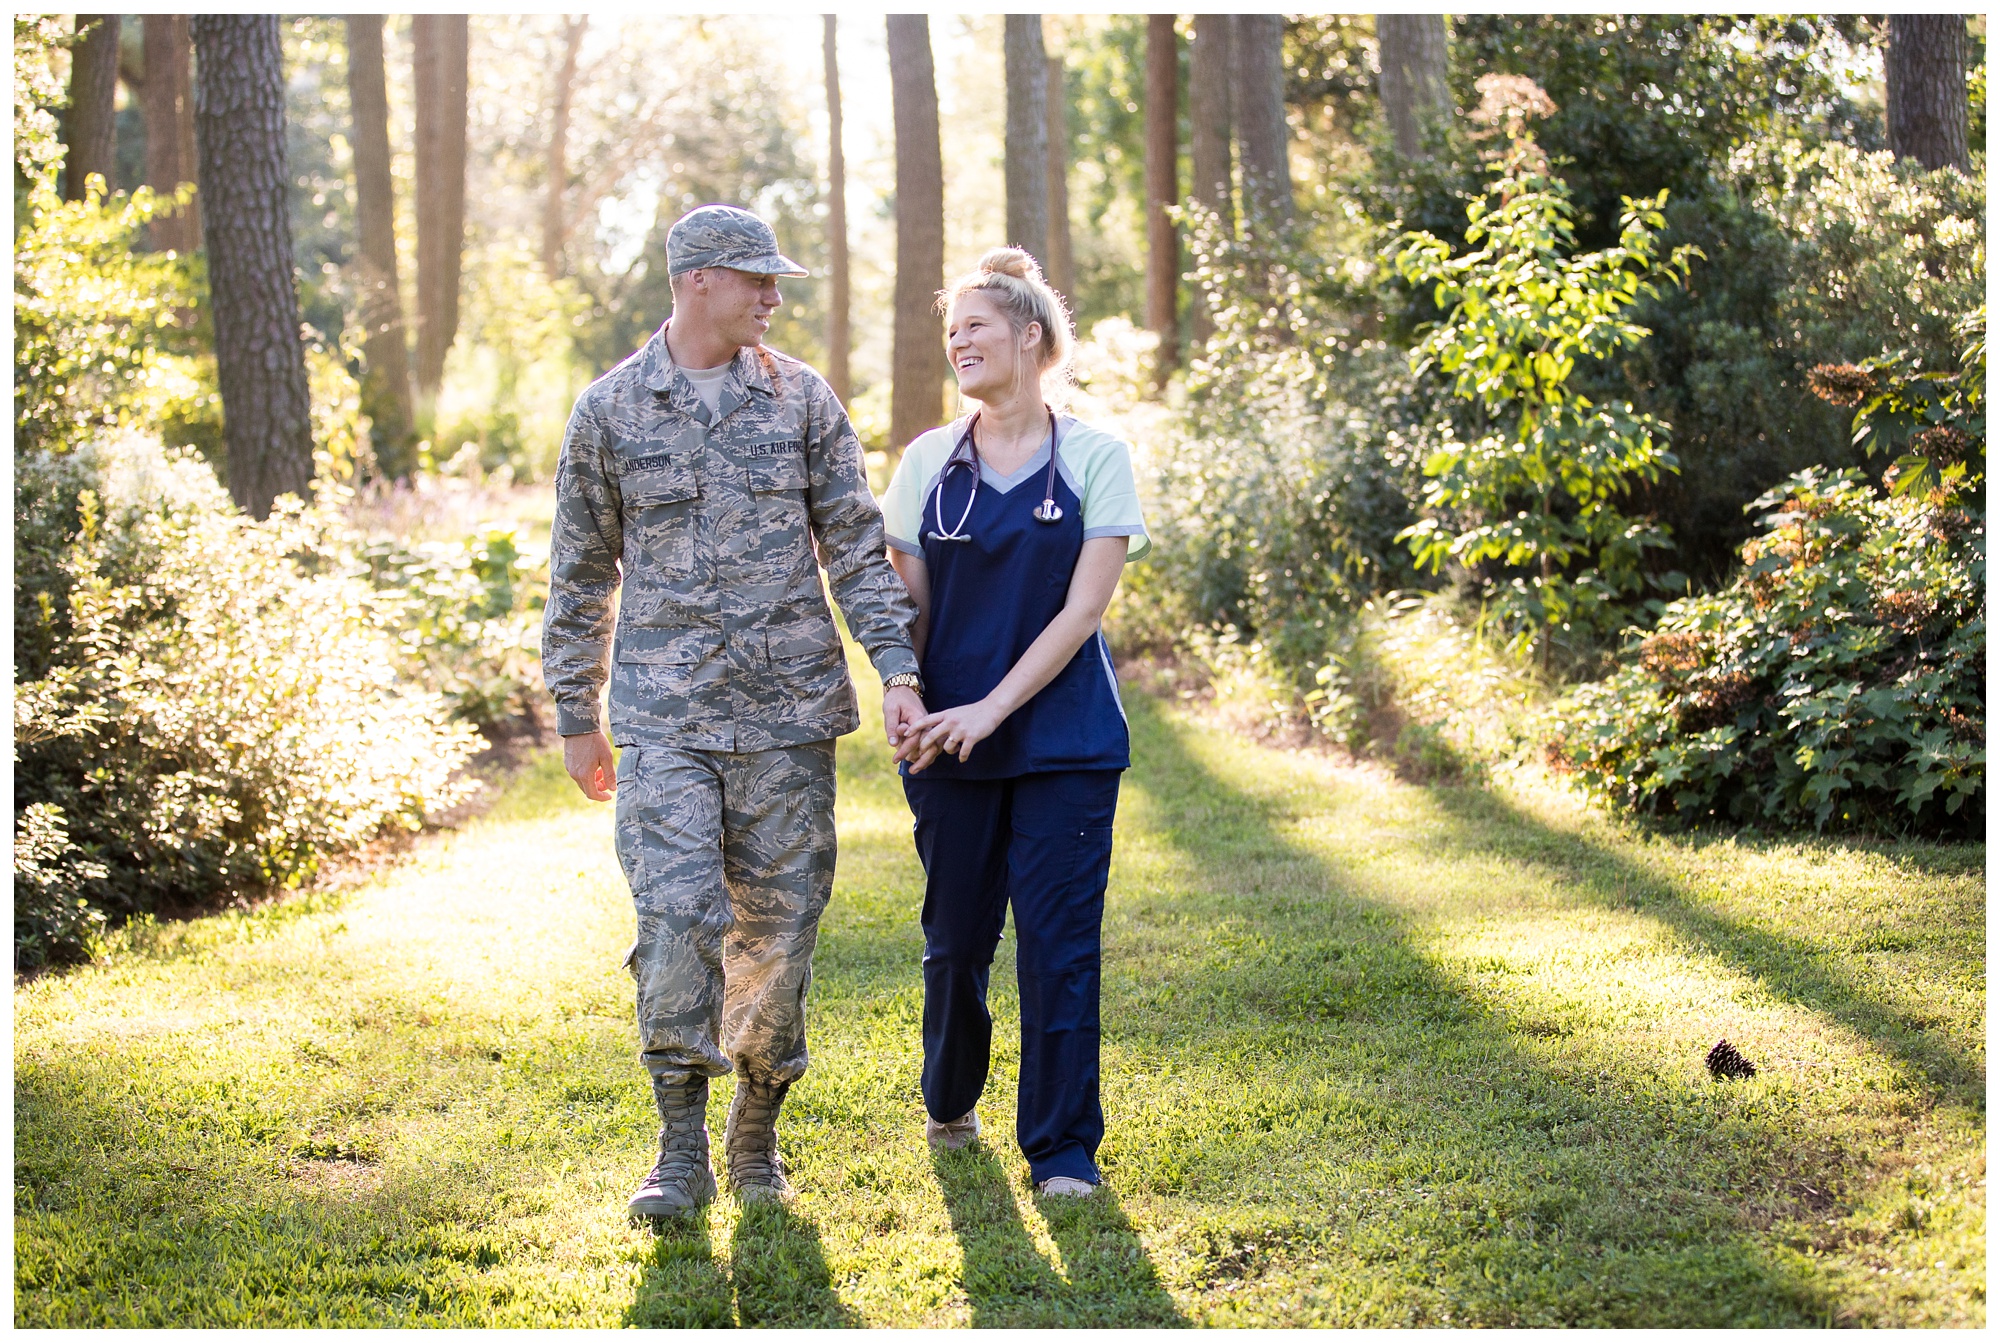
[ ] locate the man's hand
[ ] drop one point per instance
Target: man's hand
(901, 707)
(588, 759)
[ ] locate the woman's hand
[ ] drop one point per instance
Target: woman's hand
(948, 732)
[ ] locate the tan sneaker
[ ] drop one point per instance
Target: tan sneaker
(1062, 1186)
(954, 1135)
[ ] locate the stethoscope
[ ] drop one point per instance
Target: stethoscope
(966, 454)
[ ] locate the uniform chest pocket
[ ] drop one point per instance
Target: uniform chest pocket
(660, 496)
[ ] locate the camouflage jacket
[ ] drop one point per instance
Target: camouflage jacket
(724, 640)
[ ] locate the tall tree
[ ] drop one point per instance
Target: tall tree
(1262, 136)
(1926, 88)
(441, 45)
(1414, 65)
(916, 400)
(1061, 267)
(1163, 151)
(838, 338)
(260, 359)
(90, 125)
(1027, 169)
(555, 220)
(167, 102)
(385, 386)
(1211, 67)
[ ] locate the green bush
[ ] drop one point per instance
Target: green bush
(467, 615)
(1527, 488)
(1279, 487)
(208, 702)
(1838, 681)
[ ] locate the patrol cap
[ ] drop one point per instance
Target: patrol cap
(722, 235)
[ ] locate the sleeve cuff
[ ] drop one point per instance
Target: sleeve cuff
(907, 547)
(1132, 552)
(897, 660)
(573, 723)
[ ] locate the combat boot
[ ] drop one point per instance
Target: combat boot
(756, 1171)
(681, 1180)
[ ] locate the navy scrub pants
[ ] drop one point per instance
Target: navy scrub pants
(1042, 843)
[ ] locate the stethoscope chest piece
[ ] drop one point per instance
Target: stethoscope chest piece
(1048, 511)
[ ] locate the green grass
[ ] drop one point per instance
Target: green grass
(1374, 1054)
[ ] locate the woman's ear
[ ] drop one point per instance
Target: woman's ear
(1031, 336)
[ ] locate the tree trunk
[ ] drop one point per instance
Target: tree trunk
(441, 43)
(1414, 93)
(1211, 67)
(168, 106)
(838, 338)
(1027, 136)
(1926, 78)
(555, 228)
(917, 396)
(385, 385)
(1061, 268)
(1163, 250)
(1261, 133)
(90, 124)
(260, 360)
(1211, 64)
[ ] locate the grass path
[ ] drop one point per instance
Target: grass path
(1373, 1054)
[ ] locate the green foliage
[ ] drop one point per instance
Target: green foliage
(39, 89)
(1278, 494)
(1838, 681)
(53, 916)
(218, 703)
(1935, 420)
(1837, 256)
(1538, 489)
(105, 334)
(467, 614)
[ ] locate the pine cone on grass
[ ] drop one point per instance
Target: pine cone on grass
(1725, 1061)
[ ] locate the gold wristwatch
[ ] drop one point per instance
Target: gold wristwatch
(910, 679)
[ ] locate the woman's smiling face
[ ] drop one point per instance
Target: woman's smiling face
(990, 358)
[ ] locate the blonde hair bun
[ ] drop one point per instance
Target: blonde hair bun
(1010, 261)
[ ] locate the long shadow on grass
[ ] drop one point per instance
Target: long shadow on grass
(683, 1286)
(1796, 971)
(1390, 1127)
(1107, 1278)
(781, 1273)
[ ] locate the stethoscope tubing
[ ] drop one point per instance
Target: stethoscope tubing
(1046, 511)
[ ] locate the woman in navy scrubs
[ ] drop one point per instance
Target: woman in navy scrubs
(1011, 527)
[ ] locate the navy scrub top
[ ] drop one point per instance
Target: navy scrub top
(991, 597)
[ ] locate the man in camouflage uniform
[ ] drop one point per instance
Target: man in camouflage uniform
(714, 477)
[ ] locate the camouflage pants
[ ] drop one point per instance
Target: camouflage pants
(730, 856)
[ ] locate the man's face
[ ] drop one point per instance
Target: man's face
(734, 304)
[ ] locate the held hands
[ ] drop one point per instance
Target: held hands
(947, 732)
(588, 759)
(901, 708)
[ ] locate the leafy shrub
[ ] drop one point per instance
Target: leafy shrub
(1276, 493)
(1838, 681)
(1525, 489)
(53, 916)
(467, 614)
(107, 334)
(209, 702)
